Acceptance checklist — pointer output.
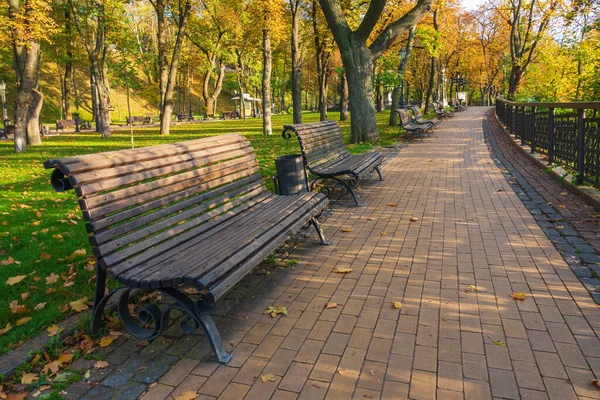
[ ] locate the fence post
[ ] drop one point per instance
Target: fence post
(550, 136)
(513, 122)
(532, 130)
(580, 145)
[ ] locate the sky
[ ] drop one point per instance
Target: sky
(471, 4)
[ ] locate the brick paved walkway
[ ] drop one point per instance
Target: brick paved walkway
(449, 340)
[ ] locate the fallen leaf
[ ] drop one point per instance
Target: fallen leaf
(392, 204)
(63, 308)
(24, 295)
(518, 295)
(101, 364)
(499, 343)
(341, 270)
(187, 395)
(383, 233)
(414, 219)
(87, 374)
(142, 343)
(396, 304)
(372, 372)
(65, 358)
(331, 305)
(36, 359)
(8, 261)
(273, 311)
(52, 279)
(317, 385)
(28, 379)
(52, 367)
(50, 290)
(595, 382)
(15, 279)
(79, 305)
(346, 229)
(45, 256)
(472, 289)
(267, 378)
(53, 330)
(106, 341)
(6, 328)
(17, 308)
(39, 306)
(23, 321)
(77, 253)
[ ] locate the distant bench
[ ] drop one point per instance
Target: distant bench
(325, 154)
(138, 118)
(194, 214)
(183, 117)
(61, 124)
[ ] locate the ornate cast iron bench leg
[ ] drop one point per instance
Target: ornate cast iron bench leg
(342, 183)
(315, 223)
(378, 173)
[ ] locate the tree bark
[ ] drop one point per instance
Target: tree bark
(358, 58)
(431, 84)
(514, 82)
(266, 83)
(296, 63)
(34, 137)
(344, 98)
(67, 80)
(380, 97)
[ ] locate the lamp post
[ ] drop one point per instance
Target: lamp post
(403, 53)
(444, 99)
(4, 110)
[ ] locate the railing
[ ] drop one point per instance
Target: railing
(567, 133)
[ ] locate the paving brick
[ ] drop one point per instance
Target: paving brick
(450, 376)
(157, 392)
(218, 381)
(249, 372)
(280, 362)
(559, 389)
(394, 390)
(475, 366)
(550, 365)
(325, 367)
(309, 352)
(503, 384)
(399, 368)
(423, 385)
(477, 390)
(336, 344)
(472, 342)
(528, 375)
(372, 375)
(295, 377)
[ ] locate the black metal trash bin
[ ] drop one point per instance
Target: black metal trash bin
(291, 178)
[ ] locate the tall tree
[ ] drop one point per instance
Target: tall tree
(358, 57)
(528, 21)
(93, 19)
(296, 62)
(323, 51)
(401, 72)
(30, 23)
(168, 62)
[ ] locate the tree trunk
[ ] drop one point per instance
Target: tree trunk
(33, 118)
(323, 97)
(67, 80)
(431, 84)
(266, 83)
(26, 61)
(296, 61)
(358, 66)
(380, 97)
(102, 98)
(399, 88)
(516, 76)
(344, 98)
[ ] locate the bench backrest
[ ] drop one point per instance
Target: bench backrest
(139, 203)
(417, 111)
(66, 123)
(405, 117)
(321, 142)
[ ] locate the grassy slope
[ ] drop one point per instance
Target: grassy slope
(31, 212)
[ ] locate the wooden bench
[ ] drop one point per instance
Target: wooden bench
(184, 117)
(61, 124)
(411, 127)
(441, 112)
(420, 119)
(194, 214)
(326, 157)
(138, 118)
(229, 115)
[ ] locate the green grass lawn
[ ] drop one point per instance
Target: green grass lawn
(40, 230)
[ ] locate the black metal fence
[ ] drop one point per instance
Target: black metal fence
(567, 133)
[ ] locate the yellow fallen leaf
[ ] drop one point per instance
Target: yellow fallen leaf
(79, 305)
(77, 253)
(331, 305)
(51, 368)
(65, 358)
(499, 343)
(101, 364)
(518, 295)
(383, 233)
(392, 204)
(396, 304)
(6, 328)
(15, 279)
(346, 229)
(106, 341)
(57, 236)
(17, 308)
(24, 295)
(53, 330)
(187, 395)
(267, 378)
(39, 306)
(28, 379)
(370, 219)
(36, 359)
(472, 289)
(414, 219)
(273, 311)
(50, 290)
(341, 270)
(45, 256)
(23, 321)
